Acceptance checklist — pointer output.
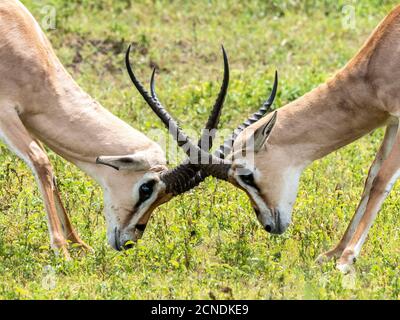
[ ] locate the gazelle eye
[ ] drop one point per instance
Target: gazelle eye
(248, 179)
(146, 190)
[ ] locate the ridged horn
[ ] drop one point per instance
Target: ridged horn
(176, 180)
(213, 120)
(226, 147)
(224, 150)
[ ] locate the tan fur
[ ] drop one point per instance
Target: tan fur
(361, 97)
(40, 101)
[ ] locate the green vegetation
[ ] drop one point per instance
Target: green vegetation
(206, 244)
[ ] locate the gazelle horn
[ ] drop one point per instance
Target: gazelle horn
(176, 179)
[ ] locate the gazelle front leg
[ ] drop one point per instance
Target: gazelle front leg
(16, 136)
(69, 232)
(383, 153)
(381, 188)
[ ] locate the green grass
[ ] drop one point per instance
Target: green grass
(206, 244)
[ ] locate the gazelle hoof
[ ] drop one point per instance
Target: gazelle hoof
(323, 258)
(345, 268)
(64, 253)
(83, 246)
(345, 264)
(328, 256)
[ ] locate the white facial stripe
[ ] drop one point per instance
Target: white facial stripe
(259, 201)
(265, 212)
(112, 224)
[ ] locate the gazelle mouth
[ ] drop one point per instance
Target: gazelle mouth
(256, 211)
(117, 245)
(278, 227)
(272, 225)
(124, 245)
(278, 222)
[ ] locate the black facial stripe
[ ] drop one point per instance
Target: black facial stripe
(256, 187)
(126, 160)
(248, 179)
(116, 239)
(141, 227)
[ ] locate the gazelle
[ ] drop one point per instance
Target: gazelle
(361, 97)
(40, 102)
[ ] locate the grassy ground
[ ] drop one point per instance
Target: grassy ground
(206, 244)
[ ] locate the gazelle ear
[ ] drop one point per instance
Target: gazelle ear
(136, 162)
(262, 133)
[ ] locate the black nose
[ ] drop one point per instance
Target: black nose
(128, 245)
(268, 228)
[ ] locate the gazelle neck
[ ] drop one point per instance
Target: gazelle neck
(328, 118)
(78, 128)
(53, 108)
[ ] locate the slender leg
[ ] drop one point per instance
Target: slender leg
(19, 140)
(69, 231)
(381, 188)
(381, 156)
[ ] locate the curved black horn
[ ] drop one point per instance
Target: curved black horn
(226, 147)
(177, 178)
(156, 106)
(213, 120)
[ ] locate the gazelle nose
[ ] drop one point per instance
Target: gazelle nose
(128, 245)
(268, 228)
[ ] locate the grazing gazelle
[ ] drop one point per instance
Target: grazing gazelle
(40, 102)
(361, 97)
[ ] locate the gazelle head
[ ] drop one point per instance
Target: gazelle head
(132, 192)
(267, 173)
(262, 168)
(141, 181)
